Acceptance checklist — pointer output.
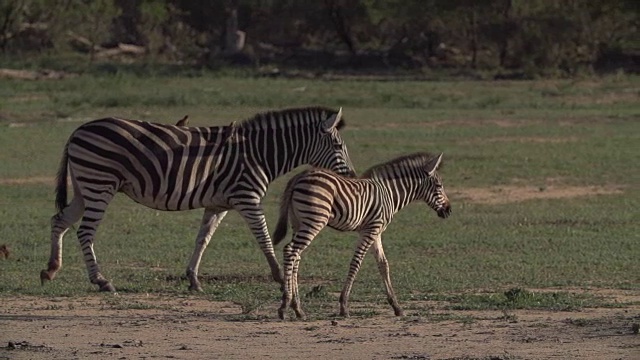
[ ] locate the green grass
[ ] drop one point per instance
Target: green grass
(580, 133)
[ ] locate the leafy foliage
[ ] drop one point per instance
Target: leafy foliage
(529, 38)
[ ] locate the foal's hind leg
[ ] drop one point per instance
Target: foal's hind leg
(60, 223)
(292, 253)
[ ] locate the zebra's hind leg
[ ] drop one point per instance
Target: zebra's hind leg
(364, 243)
(210, 221)
(383, 266)
(60, 223)
(94, 212)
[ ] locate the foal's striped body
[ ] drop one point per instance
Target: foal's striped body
(318, 198)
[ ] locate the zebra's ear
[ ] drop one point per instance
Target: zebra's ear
(332, 121)
(433, 164)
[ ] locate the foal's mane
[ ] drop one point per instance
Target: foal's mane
(415, 159)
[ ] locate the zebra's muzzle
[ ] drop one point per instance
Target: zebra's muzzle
(444, 211)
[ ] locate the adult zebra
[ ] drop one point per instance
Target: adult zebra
(317, 198)
(173, 168)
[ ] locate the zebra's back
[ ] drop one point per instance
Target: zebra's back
(160, 166)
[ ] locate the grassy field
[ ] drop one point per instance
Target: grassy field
(575, 142)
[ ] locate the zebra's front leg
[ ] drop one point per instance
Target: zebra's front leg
(364, 243)
(383, 266)
(210, 221)
(254, 216)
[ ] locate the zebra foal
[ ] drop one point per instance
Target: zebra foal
(317, 198)
(174, 168)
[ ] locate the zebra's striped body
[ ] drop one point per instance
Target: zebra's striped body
(174, 168)
(317, 198)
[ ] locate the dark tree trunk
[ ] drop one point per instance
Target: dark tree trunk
(474, 38)
(342, 28)
(504, 43)
(233, 38)
(125, 26)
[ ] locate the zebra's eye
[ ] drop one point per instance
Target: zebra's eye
(338, 146)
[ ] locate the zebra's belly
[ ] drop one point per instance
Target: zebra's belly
(177, 200)
(343, 224)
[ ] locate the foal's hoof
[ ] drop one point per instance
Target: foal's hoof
(196, 288)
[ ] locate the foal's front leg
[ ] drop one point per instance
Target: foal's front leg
(383, 266)
(367, 237)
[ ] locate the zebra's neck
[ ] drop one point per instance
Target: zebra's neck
(278, 151)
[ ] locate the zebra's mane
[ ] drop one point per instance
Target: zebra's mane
(290, 117)
(385, 169)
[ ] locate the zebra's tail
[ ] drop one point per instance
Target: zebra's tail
(61, 180)
(283, 219)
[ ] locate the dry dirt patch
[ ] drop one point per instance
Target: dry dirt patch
(504, 123)
(522, 139)
(513, 193)
(28, 180)
(187, 327)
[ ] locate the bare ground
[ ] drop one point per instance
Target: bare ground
(186, 327)
(516, 193)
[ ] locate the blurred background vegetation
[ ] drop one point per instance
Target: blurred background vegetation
(470, 38)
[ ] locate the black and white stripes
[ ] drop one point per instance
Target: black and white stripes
(317, 198)
(174, 168)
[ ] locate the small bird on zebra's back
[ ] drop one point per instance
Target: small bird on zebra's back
(317, 198)
(184, 121)
(229, 132)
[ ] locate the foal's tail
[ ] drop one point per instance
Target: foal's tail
(61, 180)
(285, 204)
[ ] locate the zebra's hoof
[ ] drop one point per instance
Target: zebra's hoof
(196, 288)
(45, 276)
(107, 287)
(281, 314)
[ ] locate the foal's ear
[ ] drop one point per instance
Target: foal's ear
(433, 164)
(332, 121)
